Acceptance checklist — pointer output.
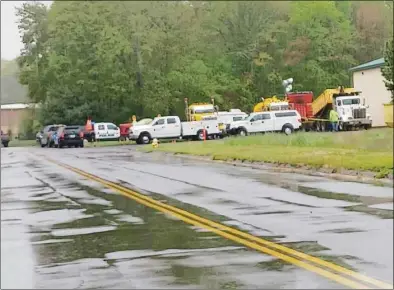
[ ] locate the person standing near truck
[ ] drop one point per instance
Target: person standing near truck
(334, 120)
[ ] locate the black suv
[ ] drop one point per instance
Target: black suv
(69, 136)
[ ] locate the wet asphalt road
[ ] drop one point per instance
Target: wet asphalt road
(61, 230)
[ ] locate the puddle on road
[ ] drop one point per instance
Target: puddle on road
(382, 213)
(364, 201)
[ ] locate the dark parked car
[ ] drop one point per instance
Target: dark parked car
(5, 139)
(69, 136)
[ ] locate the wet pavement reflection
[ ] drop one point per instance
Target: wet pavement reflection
(61, 230)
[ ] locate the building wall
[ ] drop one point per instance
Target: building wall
(370, 82)
(12, 120)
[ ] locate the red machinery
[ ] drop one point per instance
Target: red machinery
(301, 102)
(124, 130)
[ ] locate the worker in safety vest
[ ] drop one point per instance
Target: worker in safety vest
(334, 120)
(89, 128)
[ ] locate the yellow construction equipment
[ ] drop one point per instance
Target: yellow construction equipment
(327, 96)
(266, 103)
(388, 115)
(196, 111)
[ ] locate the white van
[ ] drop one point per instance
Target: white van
(285, 121)
(106, 131)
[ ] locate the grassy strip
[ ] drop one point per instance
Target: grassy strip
(22, 143)
(362, 150)
(108, 143)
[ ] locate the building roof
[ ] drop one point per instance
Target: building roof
(18, 106)
(372, 64)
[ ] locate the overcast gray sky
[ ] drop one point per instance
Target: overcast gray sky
(10, 38)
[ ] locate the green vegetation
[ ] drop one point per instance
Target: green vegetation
(108, 143)
(387, 69)
(361, 150)
(111, 60)
(11, 90)
(22, 143)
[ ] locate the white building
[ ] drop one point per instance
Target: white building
(368, 79)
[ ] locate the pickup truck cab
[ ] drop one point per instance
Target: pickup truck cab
(171, 127)
(285, 121)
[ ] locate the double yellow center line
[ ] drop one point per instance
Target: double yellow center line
(326, 269)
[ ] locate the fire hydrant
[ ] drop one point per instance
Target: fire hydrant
(155, 143)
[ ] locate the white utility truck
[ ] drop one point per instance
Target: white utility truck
(286, 121)
(171, 127)
(230, 116)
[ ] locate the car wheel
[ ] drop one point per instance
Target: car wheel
(242, 132)
(287, 129)
(144, 139)
(5, 144)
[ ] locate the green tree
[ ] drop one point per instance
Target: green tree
(32, 24)
(387, 69)
(111, 60)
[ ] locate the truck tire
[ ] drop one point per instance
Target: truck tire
(242, 132)
(144, 138)
(288, 129)
(200, 135)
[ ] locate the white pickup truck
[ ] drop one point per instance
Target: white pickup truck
(285, 121)
(171, 127)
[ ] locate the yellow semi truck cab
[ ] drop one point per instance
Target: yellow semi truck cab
(199, 110)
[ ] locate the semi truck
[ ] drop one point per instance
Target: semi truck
(347, 102)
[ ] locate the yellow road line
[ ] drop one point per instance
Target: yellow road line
(218, 229)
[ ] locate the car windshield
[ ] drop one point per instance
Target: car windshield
(351, 102)
(204, 111)
(72, 129)
(248, 118)
(144, 121)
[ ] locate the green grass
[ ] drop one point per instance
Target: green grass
(22, 143)
(108, 143)
(361, 150)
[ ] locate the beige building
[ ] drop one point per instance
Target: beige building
(12, 116)
(368, 79)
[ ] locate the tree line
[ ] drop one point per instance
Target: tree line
(111, 60)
